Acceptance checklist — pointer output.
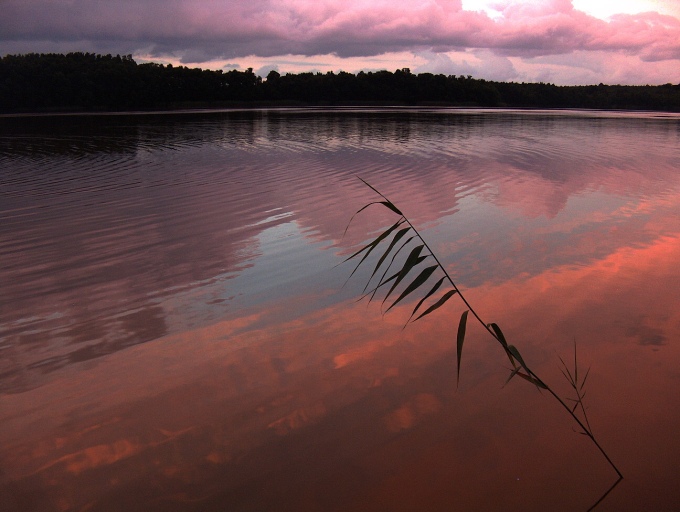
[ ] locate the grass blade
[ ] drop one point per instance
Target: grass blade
(513, 350)
(437, 304)
(583, 383)
(429, 294)
(512, 374)
(459, 341)
(387, 202)
(391, 206)
(372, 246)
(413, 259)
(375, 242)
(400, 234)
(535, 382)
(515, 353)
(499, 334)
(394, 257)
(415, 284)
(361, 210)
(501, 338)
(567, 375)
(575, 365)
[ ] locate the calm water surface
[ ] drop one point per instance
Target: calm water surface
(175, 333)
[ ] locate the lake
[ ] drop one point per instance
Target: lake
(178, 331)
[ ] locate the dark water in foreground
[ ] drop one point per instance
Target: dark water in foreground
(175, 334)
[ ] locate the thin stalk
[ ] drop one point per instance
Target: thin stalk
(586, 429)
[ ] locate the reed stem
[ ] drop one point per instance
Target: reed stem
(511, 351)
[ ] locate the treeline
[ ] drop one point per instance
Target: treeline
(91, 82)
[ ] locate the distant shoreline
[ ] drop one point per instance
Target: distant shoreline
(90, 83)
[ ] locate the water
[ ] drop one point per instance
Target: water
(175, 333)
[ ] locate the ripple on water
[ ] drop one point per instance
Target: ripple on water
(106, 222)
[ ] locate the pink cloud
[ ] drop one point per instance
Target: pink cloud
(212, 30)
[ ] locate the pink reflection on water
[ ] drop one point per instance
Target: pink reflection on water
(344, 409)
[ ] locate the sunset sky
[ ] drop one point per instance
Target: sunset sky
(558, 41)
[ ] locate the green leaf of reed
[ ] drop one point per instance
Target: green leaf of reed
(394, 242)
(391, 206)
(358, 212)
(515, 353)
(415, 284)
(583, 382)
(382, 280)
(567, 373)
(413, 259)
(372, 245)
(387, 202)
(437, 304)
(499, 334)
(535, 382)
(375, 289)
(459, 341)
(501, 338)
(429, 294)
(512, 374)
(513, 350)
(375, 242)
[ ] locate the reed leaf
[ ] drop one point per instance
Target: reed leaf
(413, 259)
(512, 374)
(417, 255)
(533, 380)
(387, 202)
(403, 273)
(415, 284)
(428, 295)
(499, 334)
(515, 353)
(399, 274)
(400, 234)
(578, 387)
(437, 304)
(459, 341)
(575, 365)
(583, 382)
(501, 337)
(373, 245)
(382, 280)
(376, 288)
(566, 372)
(392, 207)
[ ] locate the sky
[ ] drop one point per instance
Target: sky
(566, 42)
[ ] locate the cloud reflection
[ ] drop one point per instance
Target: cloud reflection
(280, 379)
(321, 401)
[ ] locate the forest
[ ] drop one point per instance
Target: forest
(91, 82)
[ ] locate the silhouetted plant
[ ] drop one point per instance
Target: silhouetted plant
(421, 262)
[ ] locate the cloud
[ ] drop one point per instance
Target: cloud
(581, 67)
(265, 70)
(480, 63)
(207, 30)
